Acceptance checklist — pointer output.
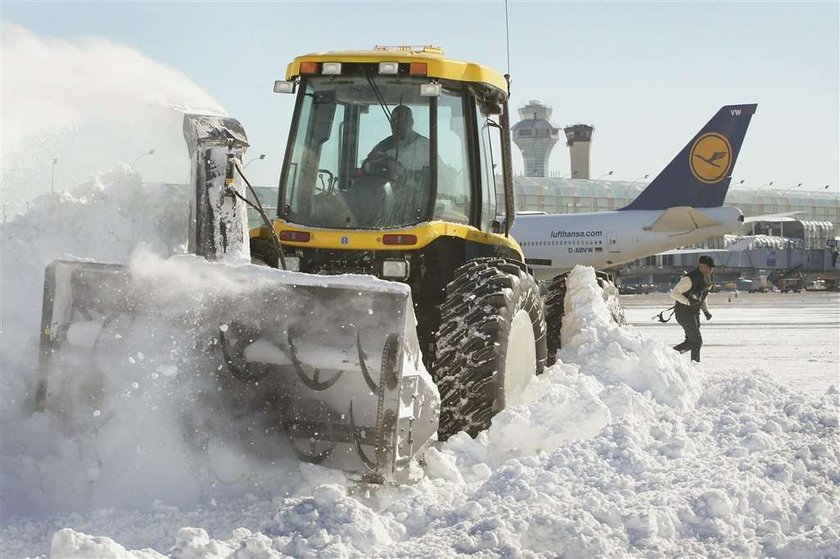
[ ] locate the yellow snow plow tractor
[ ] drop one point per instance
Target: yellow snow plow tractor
(392, 239)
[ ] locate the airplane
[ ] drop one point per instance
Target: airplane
(683, 205)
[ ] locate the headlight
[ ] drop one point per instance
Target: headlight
(389, 68)
(395, 269)
(331, 68)
(430, 89)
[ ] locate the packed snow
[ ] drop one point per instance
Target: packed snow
(623, 448)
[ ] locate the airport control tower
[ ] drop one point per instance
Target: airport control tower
(534, 135)
(579, 139)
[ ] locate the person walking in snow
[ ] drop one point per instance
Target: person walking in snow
(690, 295)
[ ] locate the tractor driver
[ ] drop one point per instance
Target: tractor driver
(404, 145)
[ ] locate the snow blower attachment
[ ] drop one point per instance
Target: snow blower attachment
(333, 363)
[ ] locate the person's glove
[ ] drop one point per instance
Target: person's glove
(708, 315)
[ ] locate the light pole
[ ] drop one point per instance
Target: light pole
(145, 153)
(737, 183)
(763, 185)
(52, 175)
(260, 156)
(812, 192)
(592, 186)
(634, 181)
(797, 185)
(602, 176)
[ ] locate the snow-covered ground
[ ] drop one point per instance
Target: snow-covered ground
(792, 337)
(624, 448)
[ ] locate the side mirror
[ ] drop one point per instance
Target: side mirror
(283, 86)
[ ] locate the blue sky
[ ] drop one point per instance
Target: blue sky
(646, 75)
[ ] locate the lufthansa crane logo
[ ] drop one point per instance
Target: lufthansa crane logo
(711, 158)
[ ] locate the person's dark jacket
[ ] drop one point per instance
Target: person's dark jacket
(691, 292)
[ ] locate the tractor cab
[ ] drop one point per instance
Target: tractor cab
(390, 138)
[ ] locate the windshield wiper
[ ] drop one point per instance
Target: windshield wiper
(379, 98)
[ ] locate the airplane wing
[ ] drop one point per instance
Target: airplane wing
(701, 251)
(769, 217)
(681, 219)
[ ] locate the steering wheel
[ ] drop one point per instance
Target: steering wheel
(384, 167)
(331, 180)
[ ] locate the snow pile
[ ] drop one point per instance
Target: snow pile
(104, 219)
(618, 450)
(602, 373)
(592, 340)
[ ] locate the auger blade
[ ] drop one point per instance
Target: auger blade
(295, 351)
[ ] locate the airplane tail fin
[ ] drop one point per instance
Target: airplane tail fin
(699, 175)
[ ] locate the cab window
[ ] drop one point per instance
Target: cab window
(453, 170)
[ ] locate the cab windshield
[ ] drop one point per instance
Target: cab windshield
(363, 155)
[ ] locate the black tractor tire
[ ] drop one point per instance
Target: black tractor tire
(555, 309)
(488, 299)
(263, 252)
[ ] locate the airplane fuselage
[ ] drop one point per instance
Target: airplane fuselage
(556, 243)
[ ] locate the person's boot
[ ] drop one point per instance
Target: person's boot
(682, 347)
(695, 355)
